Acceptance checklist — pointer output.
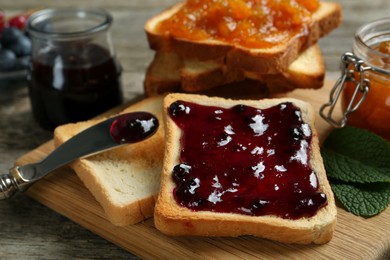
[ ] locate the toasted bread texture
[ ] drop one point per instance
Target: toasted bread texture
(170, 73)
(174, 219)
(125, 181)
(163, 74)
(260, 60)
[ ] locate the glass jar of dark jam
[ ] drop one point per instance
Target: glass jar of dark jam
(74, 74)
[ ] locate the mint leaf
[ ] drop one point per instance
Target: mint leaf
(357, 163)
(363, 200)
(344, 168)
(360, 145)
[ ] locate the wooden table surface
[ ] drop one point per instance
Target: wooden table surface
(30, 230)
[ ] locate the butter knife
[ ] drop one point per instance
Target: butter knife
(108, 134)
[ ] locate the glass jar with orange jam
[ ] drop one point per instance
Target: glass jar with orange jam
(364, 86)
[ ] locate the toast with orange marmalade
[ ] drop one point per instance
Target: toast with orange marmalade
(249, 35)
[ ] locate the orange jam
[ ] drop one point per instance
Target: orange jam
(374, 112)
(249, 23)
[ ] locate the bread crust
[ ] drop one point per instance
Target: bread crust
(261, 60)
(162, 79)
(113, 176)
(168, 72)
(216, 75)
(173, 219)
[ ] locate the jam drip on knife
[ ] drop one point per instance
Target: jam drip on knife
(245, 160)
(133, 127)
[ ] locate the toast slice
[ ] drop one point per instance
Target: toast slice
(307, 71)
(169, 73)
(194, 205)
(126, 180)
(271, 60)
(196, 76)
(163, 74)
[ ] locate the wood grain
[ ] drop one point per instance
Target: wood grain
(355, 237)
(31, 230)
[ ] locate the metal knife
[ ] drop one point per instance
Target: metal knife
(109, 134)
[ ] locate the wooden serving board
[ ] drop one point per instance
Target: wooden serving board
(354, 238)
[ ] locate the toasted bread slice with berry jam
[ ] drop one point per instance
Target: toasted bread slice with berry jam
(249, 168)
(169, 73)
(268, 59)
(126, 180)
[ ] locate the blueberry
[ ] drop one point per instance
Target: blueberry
(178, 108)
(7, 60)
(10, 35)
(22, 63)
(180, 171)
(239, 108)
(21, 47)
(312, 203)
(224, 139)
(181, 192)
(185, 189)
(296, 133)
(248, 119)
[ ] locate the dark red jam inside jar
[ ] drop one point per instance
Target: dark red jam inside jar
(245, 160)
(74, 74)
(61, 91)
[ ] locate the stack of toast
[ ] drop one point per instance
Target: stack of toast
(135, 182)
(181, 65)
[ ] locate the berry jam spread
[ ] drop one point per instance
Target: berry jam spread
(133, 127)
(245, 160)
(73, 84)
(249, 23)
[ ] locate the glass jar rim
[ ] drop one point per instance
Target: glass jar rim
(39, 17)
(368, 32)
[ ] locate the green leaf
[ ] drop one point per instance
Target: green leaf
(360, 145)
(363, 200)
(344, 168)
(357, 164)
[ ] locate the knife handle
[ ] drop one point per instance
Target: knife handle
(11, 183)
